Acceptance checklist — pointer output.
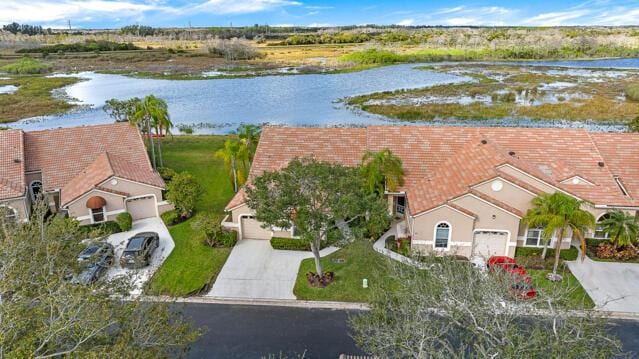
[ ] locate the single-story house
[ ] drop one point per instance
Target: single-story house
(92, 173)
(466, 188)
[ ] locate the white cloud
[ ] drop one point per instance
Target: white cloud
(406, 22)
(224, 7)
(52, 11)
(618, 16)
(558, 18)
(316, 24)
(473, 16)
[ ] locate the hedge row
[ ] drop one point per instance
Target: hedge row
(565, 254)
(290, 244)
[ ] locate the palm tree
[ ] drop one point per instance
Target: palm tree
(250, 135)
(162, 124)
(232, 154)
(559, 212)
(150, 112)
(621, 227)
(382, 170)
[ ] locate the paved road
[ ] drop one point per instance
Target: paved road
(235, 331)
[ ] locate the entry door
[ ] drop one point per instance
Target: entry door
(489, 243)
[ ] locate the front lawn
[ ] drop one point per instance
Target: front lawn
(573, 295)
(351, 265)
(192, 265)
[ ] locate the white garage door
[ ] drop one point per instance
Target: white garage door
(143, 207)
(488, 243)
(252, 229)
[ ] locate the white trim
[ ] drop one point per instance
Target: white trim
(503, 179)
(569, 180)
(130, 181)
(104, 215)
(538, 179)
(612, 206)
(448, 240)
(418, 241)
(594, 231)
(483, 200)
(89, 191)
(440, 206)
(234, 208)
(239, 221)
(494, 230)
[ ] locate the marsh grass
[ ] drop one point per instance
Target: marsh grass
(33, 97)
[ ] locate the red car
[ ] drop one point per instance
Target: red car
(522, 287)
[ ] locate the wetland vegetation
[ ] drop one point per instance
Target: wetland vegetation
(497, 91)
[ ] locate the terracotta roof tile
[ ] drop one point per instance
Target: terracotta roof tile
(12, 181)
(441, 163)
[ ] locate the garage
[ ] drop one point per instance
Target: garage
(142, 207)
(490, 243)
(252, 229)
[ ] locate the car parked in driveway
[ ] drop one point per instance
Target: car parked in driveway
(139, 250)
(521, 285)
(95, 251)
(94, 270)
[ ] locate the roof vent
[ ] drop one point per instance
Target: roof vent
(600, 164)
(512, 153)
(16, 160)
(483, 142)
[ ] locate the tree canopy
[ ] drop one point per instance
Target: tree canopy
(315, 197)
(42, 314)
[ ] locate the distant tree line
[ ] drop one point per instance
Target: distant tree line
(87, 46)
(139, 30)
(26, 29)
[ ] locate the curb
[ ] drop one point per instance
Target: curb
(262, 302)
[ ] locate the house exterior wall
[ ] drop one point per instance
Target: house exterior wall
(114, 205)
(423, 231)
(237, 212)
(541, 185)
(490, 217)
(19, 205)
(133, 188)
(510, 194)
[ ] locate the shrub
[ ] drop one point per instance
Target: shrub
(233, 49)
(100, 229)
(632, 92)
(403, 248)
(125, 221)
(214, 234)
(87, 46)
(26, 66)
(170, 218)
(290, 244)
(372, 56)
(608, 251)
(566, 254)
(183, 192)
(166, 173)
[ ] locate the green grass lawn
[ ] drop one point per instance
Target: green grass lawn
(193, 265)
(574, 295)
(359, 261)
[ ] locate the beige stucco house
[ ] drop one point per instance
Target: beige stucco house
(467, 189)
(92, 173)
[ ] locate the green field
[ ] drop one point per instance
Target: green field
(192, 265)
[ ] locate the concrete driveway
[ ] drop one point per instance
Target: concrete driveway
(142, 275)
(612, 286)
(256, 270)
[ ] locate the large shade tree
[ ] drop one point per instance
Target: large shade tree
(316, 197)
(44, 315)
(382, 170)
(559, 213)
(621, 227)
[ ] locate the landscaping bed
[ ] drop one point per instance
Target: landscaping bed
(602, 251)
(193, 265)
(401, 246)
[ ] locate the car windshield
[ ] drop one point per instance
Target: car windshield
(128, 253)
(90, 250)
(135, 243)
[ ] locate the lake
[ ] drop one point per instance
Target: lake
(218, 105)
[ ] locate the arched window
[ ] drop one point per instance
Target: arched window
(599, 232)
(442, 235)
(35, 188)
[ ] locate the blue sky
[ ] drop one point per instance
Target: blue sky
(116, 13)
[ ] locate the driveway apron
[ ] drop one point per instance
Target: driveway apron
(255, 270)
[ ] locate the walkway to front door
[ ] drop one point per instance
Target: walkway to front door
(256, 270)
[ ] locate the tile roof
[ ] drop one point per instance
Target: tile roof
(441, 163)
(12, 182)
(74, 159)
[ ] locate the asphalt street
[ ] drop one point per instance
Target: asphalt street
(245, 331)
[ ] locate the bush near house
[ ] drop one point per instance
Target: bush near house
(565, 254)
(101, 229)
(214, 235)
(170, 218)
(183, 191)
(125, 221)
(290, 244)
(404, 245)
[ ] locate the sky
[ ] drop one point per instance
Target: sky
(197, 13)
